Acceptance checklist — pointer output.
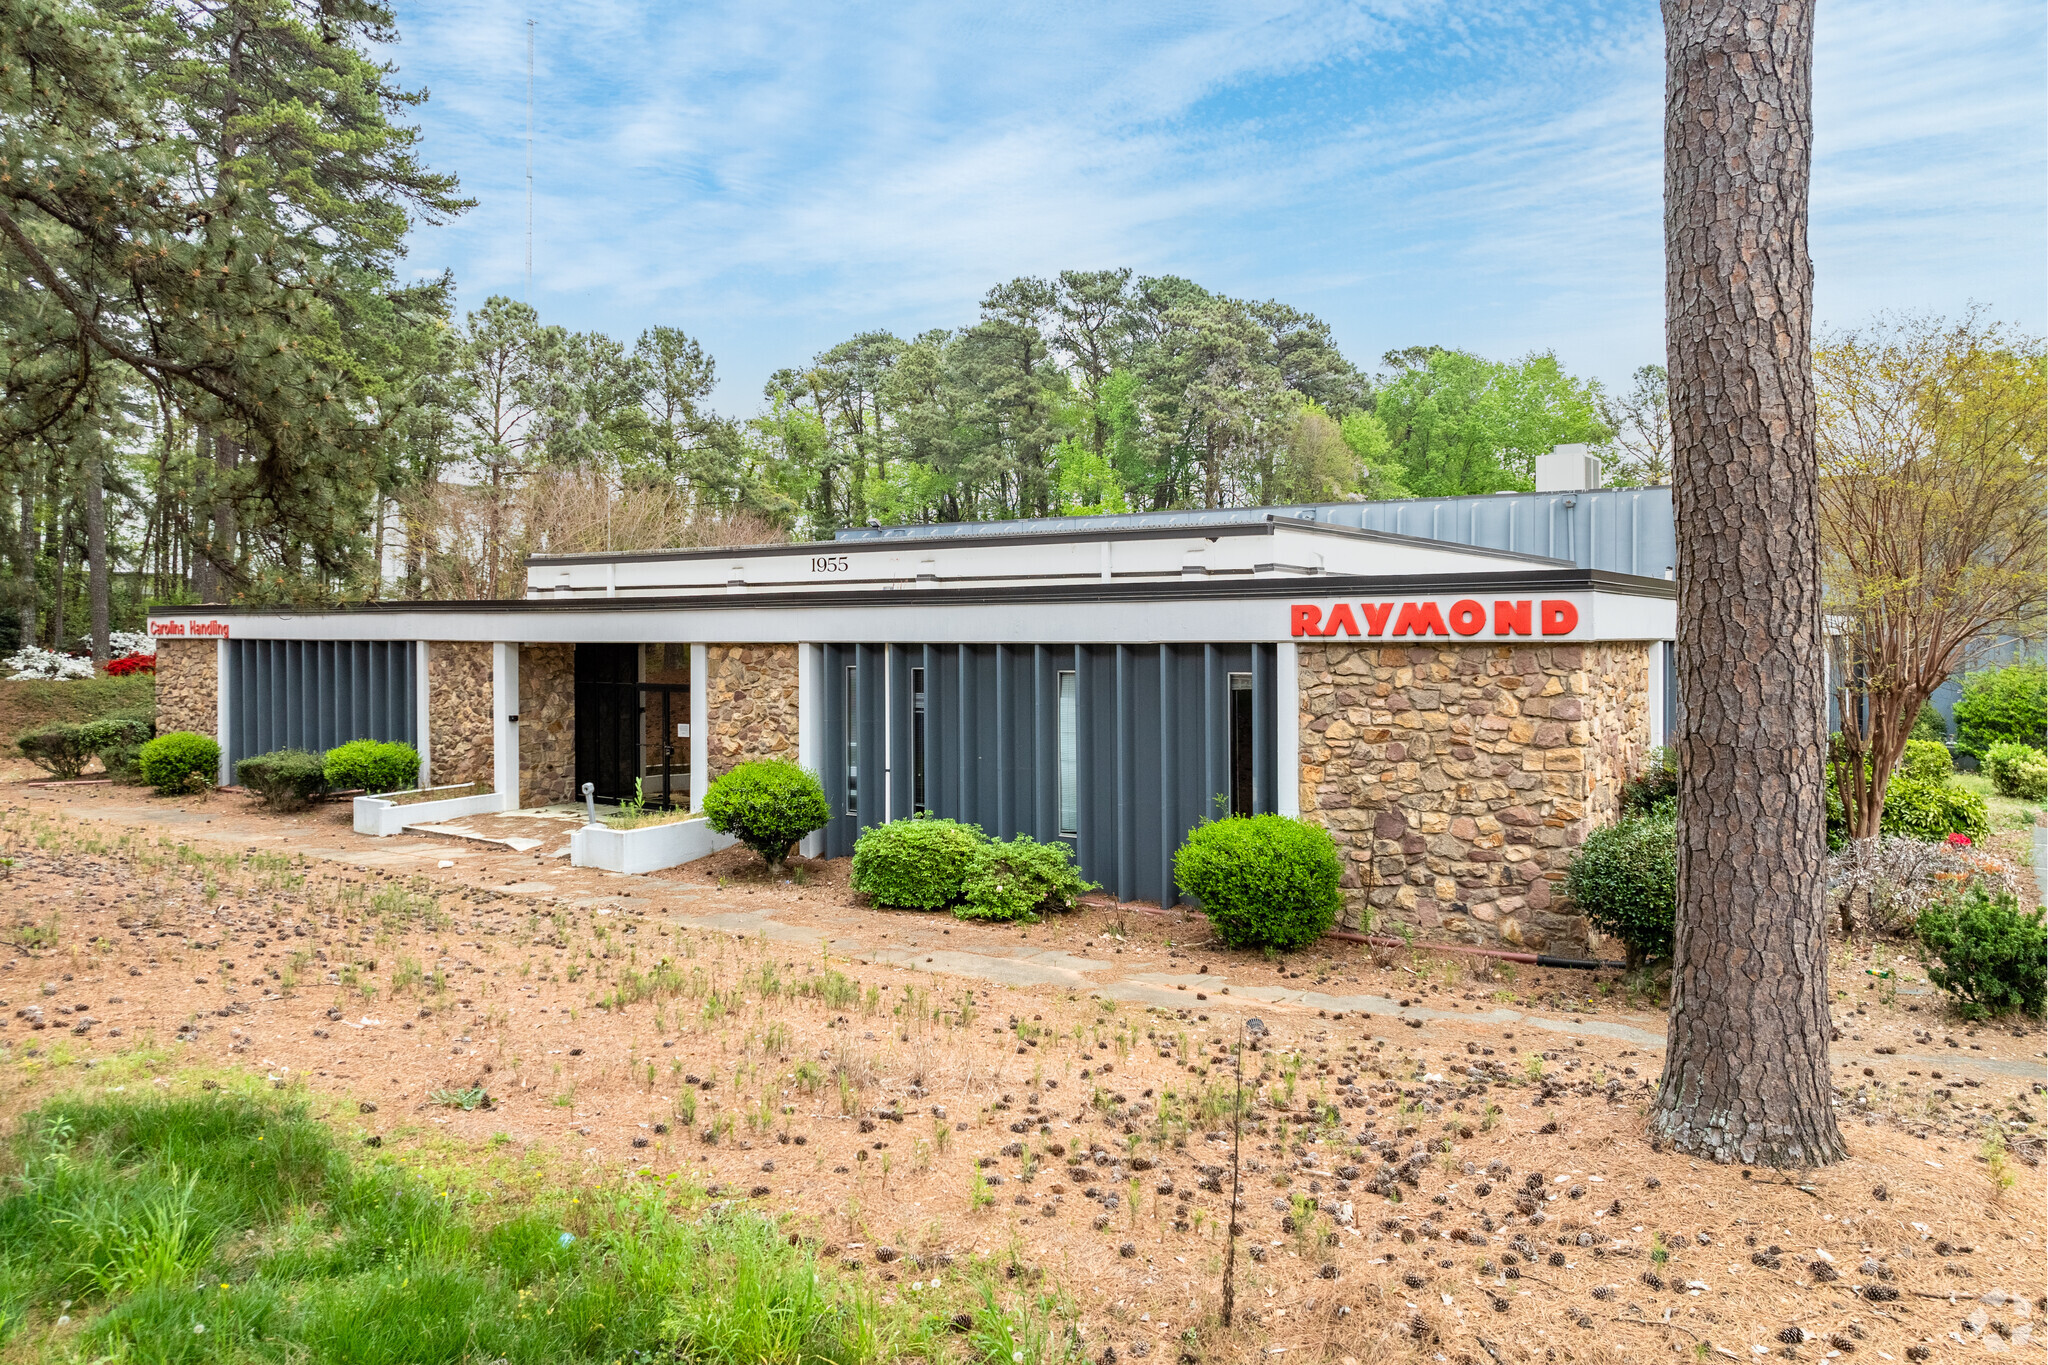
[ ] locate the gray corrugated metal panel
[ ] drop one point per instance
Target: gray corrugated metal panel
(1152, 742)
(1623, 530)
(315, 694)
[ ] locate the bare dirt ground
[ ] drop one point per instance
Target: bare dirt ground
(1447, 1162)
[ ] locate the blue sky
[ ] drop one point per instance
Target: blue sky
(774, 177)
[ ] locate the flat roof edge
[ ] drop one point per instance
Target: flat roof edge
(1324, 586)
(1264, 526)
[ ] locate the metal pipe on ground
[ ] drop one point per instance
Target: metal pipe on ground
(1498, 954)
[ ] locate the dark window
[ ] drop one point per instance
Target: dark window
(852, 721)
(1069, 756)
(1240, 744)
(917, 741)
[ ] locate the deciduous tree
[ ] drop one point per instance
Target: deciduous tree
(1933, 482)
(1641, 421)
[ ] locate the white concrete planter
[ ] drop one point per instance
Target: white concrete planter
(381, 816)
(647, 849)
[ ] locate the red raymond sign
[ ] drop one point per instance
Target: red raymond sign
(1465, 617)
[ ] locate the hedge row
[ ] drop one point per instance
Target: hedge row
(127, 745)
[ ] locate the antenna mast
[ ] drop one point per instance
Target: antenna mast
(529, 161)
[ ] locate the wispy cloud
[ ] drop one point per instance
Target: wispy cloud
(773, 177)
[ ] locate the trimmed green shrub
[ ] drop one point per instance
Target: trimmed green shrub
(1016, 879)
(1932, 810)
(61, 750)
(373, 765)
(2009, 703)
(1655, 787)
(1927, 760)
(767, 805)
(120, 748)
(2017, 770)
(915, 864)
(1929, 723)
(120, 762)
(108, 731)
(286, 779)
(1624, 879)
(179, 762)
(1265, 881)
(1987, 954)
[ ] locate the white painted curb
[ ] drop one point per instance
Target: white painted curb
(647, 849)
(382, 817)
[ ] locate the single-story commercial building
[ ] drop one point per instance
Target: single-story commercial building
(1456, 707)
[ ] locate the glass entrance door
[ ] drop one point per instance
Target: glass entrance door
(665, 744)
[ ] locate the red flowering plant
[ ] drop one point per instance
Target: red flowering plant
(1959, 840)
(133, 663)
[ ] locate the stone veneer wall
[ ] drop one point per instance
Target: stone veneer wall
(547, 724)
(1458, 780)
(459, 743)
(187, 686)
(750, 700)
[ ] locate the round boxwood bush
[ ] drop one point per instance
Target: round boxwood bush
(767, 805)
(1624, 879)
(915, 864)
(2009, 703)
(372, 765)
(2017, 770)
(1927, 760)
(1266, 881)
(1016, 879)
(179, 762)
(286, 779)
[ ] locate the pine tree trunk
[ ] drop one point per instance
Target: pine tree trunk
(1746, 1066)
(25, 575)
(98, 582)
(224, 543)
(205, 582)
(61, 544)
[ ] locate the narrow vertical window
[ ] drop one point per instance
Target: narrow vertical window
(1070, 757)
(917, 805)
(852, 719)
(1240, 744)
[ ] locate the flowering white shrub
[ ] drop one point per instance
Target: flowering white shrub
(30, 661)
(1903, 876)
(121, 644)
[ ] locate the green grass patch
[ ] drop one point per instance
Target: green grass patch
(224, 1227)
(2006, 812)
(643, 817)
